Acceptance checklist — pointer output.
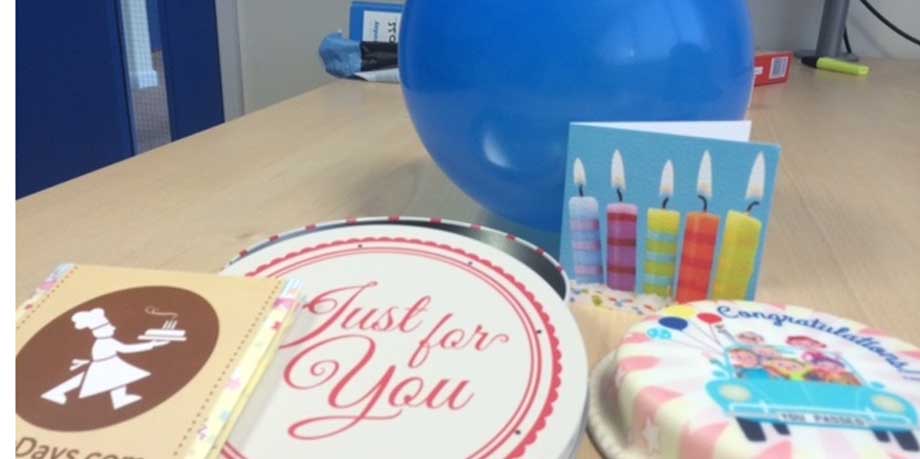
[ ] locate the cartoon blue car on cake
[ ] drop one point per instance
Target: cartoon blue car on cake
(786, 386)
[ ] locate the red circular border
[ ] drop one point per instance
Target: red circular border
(555, 380)
(529, 395)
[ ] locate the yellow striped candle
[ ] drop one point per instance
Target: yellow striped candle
(662, 229)
(661, 251)
(740, 243)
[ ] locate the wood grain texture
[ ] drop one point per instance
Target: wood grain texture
(602, 331)
(844, 236)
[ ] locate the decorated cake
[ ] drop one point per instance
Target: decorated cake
(419, 338)
(749, 380)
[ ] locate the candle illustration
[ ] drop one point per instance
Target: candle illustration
(621, 233)
(584, 226)
(741, 241)
(661, 240)
(699, 241)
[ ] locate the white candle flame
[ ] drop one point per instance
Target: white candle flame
(704, 178)
(757, 179)
(617, 174)
(578, 171)
(666, 189)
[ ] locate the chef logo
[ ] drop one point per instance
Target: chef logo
(106, 371)
(113, 357)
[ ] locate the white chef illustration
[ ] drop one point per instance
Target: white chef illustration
(106, 371)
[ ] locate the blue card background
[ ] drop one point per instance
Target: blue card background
(644, 155)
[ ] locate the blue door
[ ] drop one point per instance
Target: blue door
(72, 112)
(81, 88)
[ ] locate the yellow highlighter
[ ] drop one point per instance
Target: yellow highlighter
(836, 65)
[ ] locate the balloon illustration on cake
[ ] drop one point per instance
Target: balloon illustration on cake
(741, 379)
(106, 371)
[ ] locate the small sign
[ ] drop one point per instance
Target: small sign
(375, 22)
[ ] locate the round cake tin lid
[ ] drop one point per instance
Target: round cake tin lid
(437, 337)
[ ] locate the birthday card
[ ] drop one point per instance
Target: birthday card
(658, 213)
(116, 362)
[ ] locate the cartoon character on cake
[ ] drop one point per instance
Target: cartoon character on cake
(749, 338)
(106, 371)
(747, 363)
(801, 383)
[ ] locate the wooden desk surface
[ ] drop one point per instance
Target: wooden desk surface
(845, 235)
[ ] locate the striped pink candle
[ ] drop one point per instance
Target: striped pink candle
(621, 233)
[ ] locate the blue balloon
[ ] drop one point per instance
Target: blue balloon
(491, 85)
(674, 323)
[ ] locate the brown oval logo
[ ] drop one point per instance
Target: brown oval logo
(113, 357)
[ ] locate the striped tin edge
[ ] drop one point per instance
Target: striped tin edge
(532, 256)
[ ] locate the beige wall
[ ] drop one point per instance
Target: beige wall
(278, 39)
(793, 24)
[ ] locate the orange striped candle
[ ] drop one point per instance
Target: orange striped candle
(699, 245)
(700, 235)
